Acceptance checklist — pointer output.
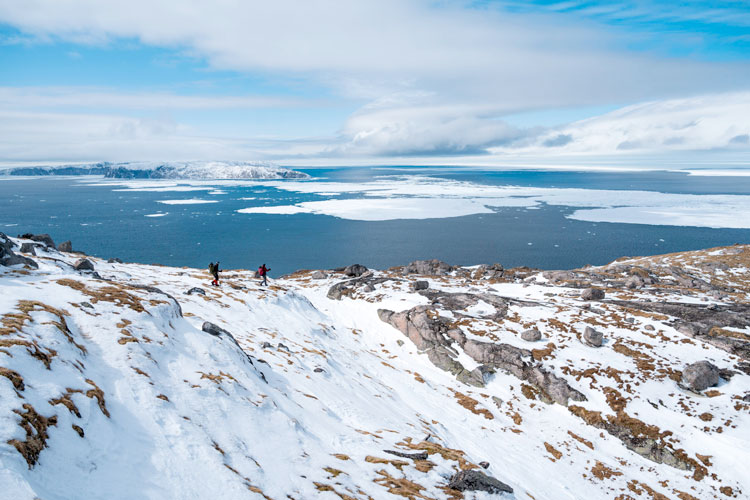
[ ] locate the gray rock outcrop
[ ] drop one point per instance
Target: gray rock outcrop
(196, 290)
(355, 270)
(433, 267)
(9, 258)
(43, 238)
(592, 294)
(65, 246)
(319, 275)
(28, 248)
(474, 480)
(215, 330)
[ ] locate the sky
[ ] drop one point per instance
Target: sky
(376, 82)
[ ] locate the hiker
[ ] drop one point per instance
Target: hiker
(214, 270)
(263, 273)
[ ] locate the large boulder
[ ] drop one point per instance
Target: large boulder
(592, 337)
(420, 285)
(433, 267)
(196, 290)
(355, 270)
(699, 376)
(421, 324)
(65, 246)
(28, 248)
(83, 265)
(531, 335)
(43, 238)
(319, 275)
(474, 480)
(592, 294)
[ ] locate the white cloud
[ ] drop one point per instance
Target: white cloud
(438, 78)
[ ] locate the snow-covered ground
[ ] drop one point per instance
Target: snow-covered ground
(110, 389)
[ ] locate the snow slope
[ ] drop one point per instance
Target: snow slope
(110, 389)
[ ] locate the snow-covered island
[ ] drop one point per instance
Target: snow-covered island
(428, 381)
(200, 170)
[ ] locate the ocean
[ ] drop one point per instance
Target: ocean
(383, 217)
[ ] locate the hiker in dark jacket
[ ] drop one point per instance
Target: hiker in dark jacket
(214, 270)
(263, 273)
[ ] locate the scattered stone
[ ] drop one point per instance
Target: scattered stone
(368, 288)
(484, 465)
(214, 329)
(531, 335)
(699, 376)
(282, 346)
(196, 290)
(650, 328)
(28, 248)
(355, 270)
(400, 342)
(474, 480)
(114, 260)
(592, 294)
(10, 258)
(592, 337)
(420, 285)
(319, 275)
(433, 267)
(83, 265)
(65, 246)
(87, 305)
(634, 281)
(266, 345)
(318, 370)
(422, 455)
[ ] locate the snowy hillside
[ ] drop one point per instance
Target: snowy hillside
(167, 170)
(111, 387)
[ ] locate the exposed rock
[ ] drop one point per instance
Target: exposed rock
(65, 246)
(420, 285)
(319, 275)
(650, 328)
(28, 248)
(9, 258)
(592, 294)
(592, 337)
(634, 282)
(462, 301)
(318, 370)
(355, 270)
(420, 324)
(114, 260)
(213, 329)
(196, 290)
(699, 376)
(474, 480)
(474, 377)
(433, 267)
(558, 276)
(339, 290)
(43, 238)
(422, 455)
(531, 335)
(368, 287)
(83, 265)
(266, 345)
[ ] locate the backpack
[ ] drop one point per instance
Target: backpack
(261, 271)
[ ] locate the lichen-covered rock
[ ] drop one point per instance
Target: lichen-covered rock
(592, 294)
(433, 267)
(699, 376)
(592, 337)
(474, 480)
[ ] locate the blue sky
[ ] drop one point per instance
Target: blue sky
(372, 82)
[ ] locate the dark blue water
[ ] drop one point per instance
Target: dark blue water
(109, 223)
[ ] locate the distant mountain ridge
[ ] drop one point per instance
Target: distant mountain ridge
(166, 170)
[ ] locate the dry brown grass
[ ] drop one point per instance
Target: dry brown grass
(67, 402)
(35, 426)
(471, 405)
(15, 378)
(118, 294)
(602, 472)
(553, 451)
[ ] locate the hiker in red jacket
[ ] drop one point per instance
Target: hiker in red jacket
(263, 272)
